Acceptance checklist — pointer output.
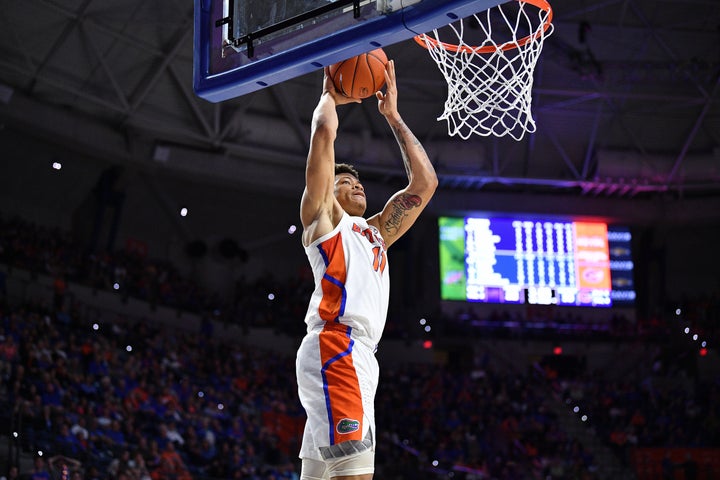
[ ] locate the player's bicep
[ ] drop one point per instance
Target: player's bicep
(398, 215)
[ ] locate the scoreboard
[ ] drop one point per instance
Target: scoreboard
(535, 261)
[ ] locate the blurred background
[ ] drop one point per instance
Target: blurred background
(151, 269)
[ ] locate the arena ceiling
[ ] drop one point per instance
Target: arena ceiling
(626, 101)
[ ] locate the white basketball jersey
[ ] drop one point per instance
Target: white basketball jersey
(352, 284)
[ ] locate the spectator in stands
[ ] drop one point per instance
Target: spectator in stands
(63, 467)
(39, 470)
(120, 465)
(8, 356)
(171, 465)
(138, 467)
(668, 467)
(152, 455)
(69, 444)
(689, 467)
(13, 473)
(169, 433)
(3, 280)
(59, 290)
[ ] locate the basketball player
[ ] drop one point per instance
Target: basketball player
(336, 368)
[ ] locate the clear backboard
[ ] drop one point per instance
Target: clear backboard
(244, 45)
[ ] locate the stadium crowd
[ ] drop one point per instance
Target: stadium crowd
(126, 400)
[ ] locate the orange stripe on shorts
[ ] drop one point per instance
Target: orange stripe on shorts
(340, 383)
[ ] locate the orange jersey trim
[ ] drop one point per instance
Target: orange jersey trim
(332, 305)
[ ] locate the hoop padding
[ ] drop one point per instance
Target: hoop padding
(490, 85)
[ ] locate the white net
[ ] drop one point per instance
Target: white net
(488, 62)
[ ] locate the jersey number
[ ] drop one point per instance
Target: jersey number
(380, 260)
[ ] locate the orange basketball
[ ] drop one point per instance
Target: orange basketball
(361, 76)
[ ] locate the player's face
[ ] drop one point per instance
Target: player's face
(350, 193)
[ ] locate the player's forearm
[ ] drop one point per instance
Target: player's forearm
(321, 159)
(419, 169)
(325, 120)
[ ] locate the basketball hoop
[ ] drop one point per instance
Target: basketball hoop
(490, 84)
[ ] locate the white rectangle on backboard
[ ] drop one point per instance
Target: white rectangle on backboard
(389, 6)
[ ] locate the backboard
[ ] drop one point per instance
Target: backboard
(244, 45)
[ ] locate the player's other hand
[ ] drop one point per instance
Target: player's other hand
(387, 102)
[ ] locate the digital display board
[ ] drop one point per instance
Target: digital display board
(535, 261)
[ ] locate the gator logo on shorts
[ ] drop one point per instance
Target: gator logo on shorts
(347, 425)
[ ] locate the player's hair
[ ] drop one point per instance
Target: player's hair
(346, 168)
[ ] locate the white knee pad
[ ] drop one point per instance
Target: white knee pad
(357, 464)
(313, 470)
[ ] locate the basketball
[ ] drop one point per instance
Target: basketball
(360, 76)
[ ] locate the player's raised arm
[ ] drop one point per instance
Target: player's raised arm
(403, 208)
(318, 200)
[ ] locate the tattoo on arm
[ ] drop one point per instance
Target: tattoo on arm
(402, 135)
(399, 206)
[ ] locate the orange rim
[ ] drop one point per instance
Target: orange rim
(425, 41)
